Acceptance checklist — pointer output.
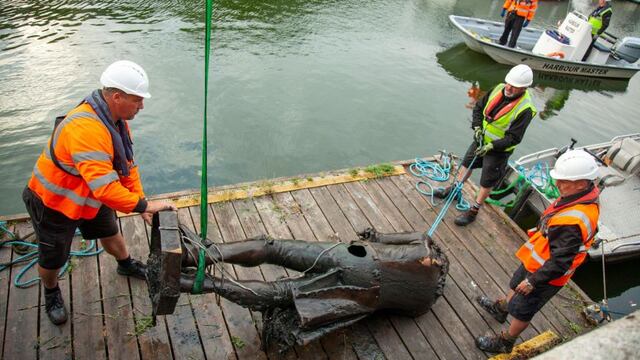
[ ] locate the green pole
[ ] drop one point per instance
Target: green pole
(204, 213)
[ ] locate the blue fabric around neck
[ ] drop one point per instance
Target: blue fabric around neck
(122, 145)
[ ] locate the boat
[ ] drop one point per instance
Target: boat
(466, 65)
(554, 51)
(532, 191)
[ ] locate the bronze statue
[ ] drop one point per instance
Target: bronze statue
(340, 282)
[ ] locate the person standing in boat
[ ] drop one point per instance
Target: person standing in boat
(555, 249)
(519, 13)
(85, 172)
(500, 119)
(599, 20)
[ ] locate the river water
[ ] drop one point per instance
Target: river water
(296, 86)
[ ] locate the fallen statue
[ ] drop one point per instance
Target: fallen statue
(339, 283)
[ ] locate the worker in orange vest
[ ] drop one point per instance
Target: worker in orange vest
(555, 249)
(85, 172)
(519, 14)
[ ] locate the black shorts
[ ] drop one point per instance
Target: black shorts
(55, 231)
(524, 307)
(493, 164)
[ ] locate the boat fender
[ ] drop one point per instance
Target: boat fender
(556, 54)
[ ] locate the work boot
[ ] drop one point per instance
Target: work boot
(495, 308)
(54, 306)
(502, 343)
(442, 193)
(467, 217)
(134, 268)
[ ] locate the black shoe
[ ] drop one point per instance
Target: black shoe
(495, 343)
(442, 193)
(467, 217)
(135, 269)
(54, 306)
(492, 308)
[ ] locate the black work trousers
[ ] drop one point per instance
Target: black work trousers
(512, 24)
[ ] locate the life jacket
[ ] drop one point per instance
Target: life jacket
(582, 212)
(495, 127)
(523, 8)
(595, 19)
(76, 174)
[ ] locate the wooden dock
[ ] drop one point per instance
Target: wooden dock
(109, 313)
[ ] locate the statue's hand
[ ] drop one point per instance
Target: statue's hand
(368, 234)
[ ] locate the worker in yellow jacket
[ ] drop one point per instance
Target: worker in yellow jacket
(85, 173)
(519, 14)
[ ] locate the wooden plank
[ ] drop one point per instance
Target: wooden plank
(240, 321)
(86, 314)
(260, 188)
(185, 339)
(154, 342)
(369, 209)
(21, 332)
(5, 285)
(349, 208)
(118, 311)
(342, 229)
(438, 337)
(208, 314)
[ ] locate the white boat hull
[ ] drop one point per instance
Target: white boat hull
(481, 36)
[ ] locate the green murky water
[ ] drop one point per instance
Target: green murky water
(296, 86)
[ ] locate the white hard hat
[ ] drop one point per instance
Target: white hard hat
(575, 165)
(519, 76)
(128, 77)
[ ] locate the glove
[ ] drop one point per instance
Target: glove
(482, 151)
(526, 23)
(504, 11)
(478, 136)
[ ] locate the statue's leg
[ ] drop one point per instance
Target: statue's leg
(255, 295)
(293, 254)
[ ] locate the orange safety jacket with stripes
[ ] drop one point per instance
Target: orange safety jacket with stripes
(525, 8)
(86, 178)
(582, 212)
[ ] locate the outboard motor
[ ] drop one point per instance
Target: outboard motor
(627, 49)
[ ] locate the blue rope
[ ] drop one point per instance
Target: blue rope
(455, 192)
(434, 171)
(33, 256)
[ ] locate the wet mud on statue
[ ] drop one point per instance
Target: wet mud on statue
(339, 283)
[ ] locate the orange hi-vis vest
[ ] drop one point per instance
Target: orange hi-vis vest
(524, 8)
(582, 212)
(84, 149)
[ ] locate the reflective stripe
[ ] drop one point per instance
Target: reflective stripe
(103, 180)
(534, 254)
(580, 215)
(69, 194)
(492, 135)
(70, 169)
(90, 155)
(68, 119)
(582, 249)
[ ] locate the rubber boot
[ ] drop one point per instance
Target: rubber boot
(135, 269)
(495, 308)
(502, 343)
(55, 308)
(467, 217)
(442, 193)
